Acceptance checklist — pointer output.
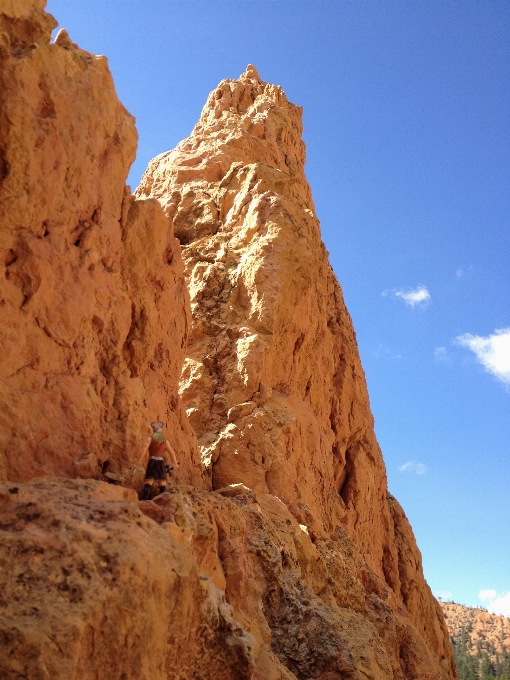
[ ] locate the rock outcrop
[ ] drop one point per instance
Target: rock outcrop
(491, 630)
(91, 588)
(480, 639)
(214, 586)
(272, 382)
(94, 308)
(281, 555)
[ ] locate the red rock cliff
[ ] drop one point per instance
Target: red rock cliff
(293, 562)
(92, 297)
(272, 382)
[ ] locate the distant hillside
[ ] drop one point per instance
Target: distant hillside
(481, 642)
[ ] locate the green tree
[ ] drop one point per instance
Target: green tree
(487, 667)
(464, 661)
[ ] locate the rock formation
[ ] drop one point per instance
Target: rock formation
(481, 641)
(272, 382)
(281, 555)
(91, 588)
(214, 586)
(93, 302)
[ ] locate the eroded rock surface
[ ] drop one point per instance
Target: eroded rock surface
(91, 588)
(200, 585)
(298, 564)
(272, 382)
(94, 309)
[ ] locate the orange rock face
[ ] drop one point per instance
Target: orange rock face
(93, 303)
(272, 381)
(217, 586)
(91, 588)
(281, 555)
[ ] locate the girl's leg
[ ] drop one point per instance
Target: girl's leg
(147, 490)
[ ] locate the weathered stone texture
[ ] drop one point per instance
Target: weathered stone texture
(298, 564)
(272, 381)
(94, 308)
(91, 588)
(212, 586)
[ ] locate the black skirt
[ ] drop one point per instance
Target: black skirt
(155, 469)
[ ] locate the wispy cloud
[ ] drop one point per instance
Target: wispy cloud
(412, 466)
(496, 603)
(418, 296)
(441, 354)
(443, 594)
(459, 272)
(492, 351)
(381, 351)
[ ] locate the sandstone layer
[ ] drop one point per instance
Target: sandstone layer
(94, 308)
(272, 381)
(91, 588)
(211, 586)
(281, 555)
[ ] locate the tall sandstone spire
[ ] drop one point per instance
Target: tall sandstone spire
(272, 381)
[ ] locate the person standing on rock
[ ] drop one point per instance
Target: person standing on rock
(161, 460)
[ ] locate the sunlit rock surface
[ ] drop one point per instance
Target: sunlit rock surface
(281, 554)
(94, 308)
(272, 380)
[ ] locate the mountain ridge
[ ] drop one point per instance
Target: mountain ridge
(481, 641)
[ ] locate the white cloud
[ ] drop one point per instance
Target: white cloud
(487, 595)
(492, 351)
(459, 272)
(501, 605)
(412, 466)
(440, 354)
(385, 352)
(497, 603)
(443, 594)
(418, 296)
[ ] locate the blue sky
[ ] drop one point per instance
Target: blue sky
(406, 114)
